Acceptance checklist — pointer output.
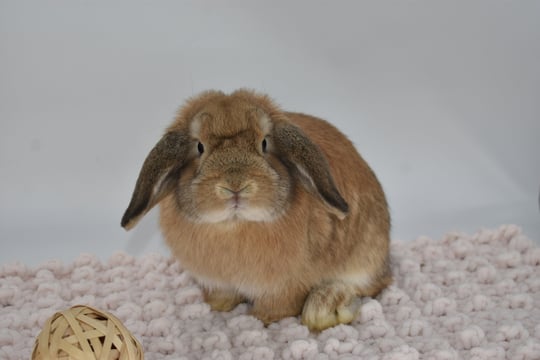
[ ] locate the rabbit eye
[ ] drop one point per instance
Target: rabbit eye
(264, 145)
(200, 148)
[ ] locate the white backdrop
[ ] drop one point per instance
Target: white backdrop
(441, 98)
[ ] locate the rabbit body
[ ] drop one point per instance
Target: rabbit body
(270, 207)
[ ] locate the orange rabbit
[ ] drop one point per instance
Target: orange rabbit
(266, 206)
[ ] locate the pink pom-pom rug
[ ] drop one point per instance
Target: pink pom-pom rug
(461, 297)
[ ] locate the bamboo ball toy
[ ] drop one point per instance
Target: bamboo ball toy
(82, 332)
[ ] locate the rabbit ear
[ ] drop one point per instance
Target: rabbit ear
(296, 149)
(157, 177)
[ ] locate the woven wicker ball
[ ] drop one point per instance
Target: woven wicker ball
(86, 333)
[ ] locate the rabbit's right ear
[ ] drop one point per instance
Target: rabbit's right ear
(158, 175)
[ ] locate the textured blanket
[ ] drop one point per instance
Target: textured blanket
(462, 297)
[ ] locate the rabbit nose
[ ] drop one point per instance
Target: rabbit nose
(228, 191)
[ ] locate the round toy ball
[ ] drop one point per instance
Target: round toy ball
(86, 333)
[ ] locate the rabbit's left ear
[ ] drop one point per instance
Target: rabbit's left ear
(158, 176)
(298, 151)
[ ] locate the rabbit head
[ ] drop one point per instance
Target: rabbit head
(232, 158)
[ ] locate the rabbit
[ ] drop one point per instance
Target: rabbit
(268, 207)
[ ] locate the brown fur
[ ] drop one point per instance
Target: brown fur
(324, 224)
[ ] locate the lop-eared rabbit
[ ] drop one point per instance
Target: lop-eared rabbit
(269, 207)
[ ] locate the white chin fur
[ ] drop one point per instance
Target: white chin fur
(238, 214)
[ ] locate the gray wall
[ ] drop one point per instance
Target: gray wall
(441, 98)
